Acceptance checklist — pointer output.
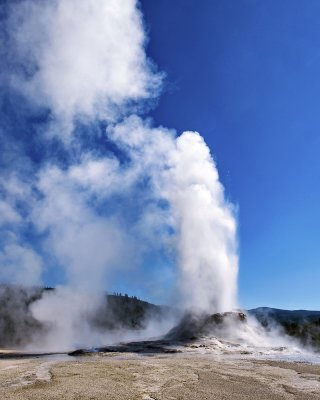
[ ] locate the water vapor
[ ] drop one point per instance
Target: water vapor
(81, 59)
(110, 191)
(206, 227)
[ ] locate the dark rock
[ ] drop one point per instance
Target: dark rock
(79, 352)
(193, 326)
(146, 346)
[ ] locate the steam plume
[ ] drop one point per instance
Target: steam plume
(206, 228)
(99, 212)
(184, 174)
(82, 59)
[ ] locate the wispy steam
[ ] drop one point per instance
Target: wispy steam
(118, 190)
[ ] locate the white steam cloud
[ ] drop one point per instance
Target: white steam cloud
(85, 60)
(206, 228)
(20, 265)
(184, 173)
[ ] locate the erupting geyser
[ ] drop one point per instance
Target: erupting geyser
(206, 228)
(183, 173)
(118, 190)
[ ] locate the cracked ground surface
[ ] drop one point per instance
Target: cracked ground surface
(157, 377)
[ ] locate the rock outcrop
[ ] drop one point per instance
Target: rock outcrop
(193, 326)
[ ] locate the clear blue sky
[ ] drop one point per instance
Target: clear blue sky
(245, 74)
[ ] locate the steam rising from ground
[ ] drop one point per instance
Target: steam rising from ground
(100, 213)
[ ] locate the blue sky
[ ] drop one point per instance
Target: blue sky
(246, 75)
(243, 73)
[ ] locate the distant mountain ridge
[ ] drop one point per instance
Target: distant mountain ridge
(300, 324)
(117, 311)
(285, 313)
